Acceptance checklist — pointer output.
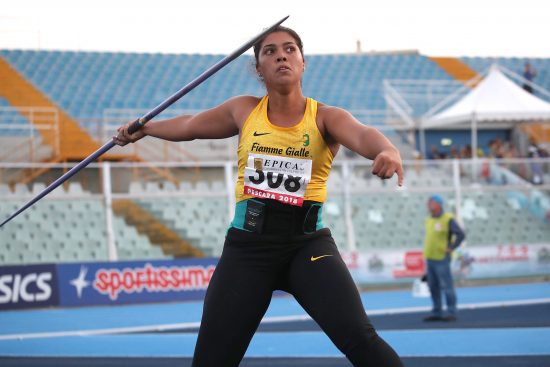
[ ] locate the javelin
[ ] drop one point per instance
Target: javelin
(140, 122)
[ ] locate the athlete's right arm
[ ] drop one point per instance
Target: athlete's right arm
(219, 122)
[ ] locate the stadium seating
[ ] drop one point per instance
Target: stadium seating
(202, 221)
(20, 141)
(91, 85)
(87, 83)
(16, 124)
(131, 245)
(389, 219)
(492, 218)
(69, 226)
(381, 219)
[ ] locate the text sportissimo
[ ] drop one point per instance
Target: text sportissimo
(112, 282)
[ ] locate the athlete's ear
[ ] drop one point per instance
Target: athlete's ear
(259, 69)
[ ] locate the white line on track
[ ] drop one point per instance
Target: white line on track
(267, 320)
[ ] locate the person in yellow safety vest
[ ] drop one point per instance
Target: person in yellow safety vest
(443, 236)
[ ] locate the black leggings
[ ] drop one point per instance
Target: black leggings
(253, 266)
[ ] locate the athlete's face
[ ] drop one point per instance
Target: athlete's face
(280, 60)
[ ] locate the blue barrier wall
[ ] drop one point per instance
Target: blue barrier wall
(105, 283)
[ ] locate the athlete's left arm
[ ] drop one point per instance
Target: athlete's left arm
(367, 141)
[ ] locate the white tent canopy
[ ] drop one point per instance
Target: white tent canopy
(495, 99)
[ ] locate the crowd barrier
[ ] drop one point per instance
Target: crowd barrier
(130, 282)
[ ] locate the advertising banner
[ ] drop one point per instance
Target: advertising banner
(502, 261)
(378, 267)
(134, 282)
(109, 283)
(397, 266)
(28, 286)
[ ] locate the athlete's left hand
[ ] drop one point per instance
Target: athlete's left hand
(387, 163)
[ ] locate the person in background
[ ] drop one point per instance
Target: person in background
(455, 154)
(528, 74)
(434, 153)
(466, 152)
(443, 236)
(533, 151)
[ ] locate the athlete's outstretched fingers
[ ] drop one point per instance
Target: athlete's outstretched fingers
(392, 170)
(386, 164)
(387, 171)
(377, 165)
(400, 175)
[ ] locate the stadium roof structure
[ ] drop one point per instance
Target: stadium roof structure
(495, 99)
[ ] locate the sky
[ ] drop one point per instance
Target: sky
(433, 27)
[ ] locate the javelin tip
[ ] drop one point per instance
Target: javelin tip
(282, 20)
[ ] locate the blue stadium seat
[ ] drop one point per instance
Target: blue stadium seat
(16, 123)
(86, 83)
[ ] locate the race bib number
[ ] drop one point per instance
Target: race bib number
(279, 178)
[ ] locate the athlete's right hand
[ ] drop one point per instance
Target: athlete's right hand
(123, 137)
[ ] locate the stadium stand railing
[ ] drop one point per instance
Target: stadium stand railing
(23, 131)
(493, 199)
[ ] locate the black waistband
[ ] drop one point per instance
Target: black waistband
(265, 216)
